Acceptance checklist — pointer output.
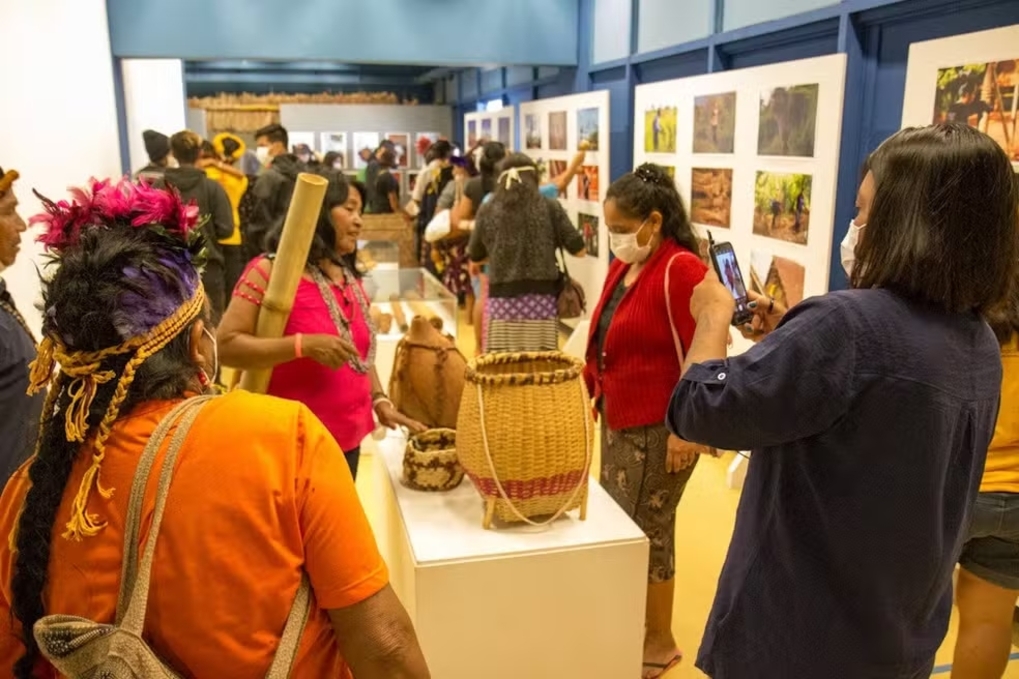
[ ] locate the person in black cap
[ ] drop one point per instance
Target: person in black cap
(19, 413)
(157, 145)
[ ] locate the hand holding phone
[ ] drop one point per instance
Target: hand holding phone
(723, 258)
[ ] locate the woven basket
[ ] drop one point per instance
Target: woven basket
(430, 461)
(428, 376)
(525, 435)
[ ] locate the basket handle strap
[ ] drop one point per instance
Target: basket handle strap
(495, 476)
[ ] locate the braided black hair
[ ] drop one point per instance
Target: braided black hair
(492, 153)
(649, 189)
(84, 301)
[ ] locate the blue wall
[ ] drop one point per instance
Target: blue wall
(431, 32)
(874, 34)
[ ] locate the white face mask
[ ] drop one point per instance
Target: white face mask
(215, 353)
(172, 163)
(262, 152)
(848, 247)
(626, 248)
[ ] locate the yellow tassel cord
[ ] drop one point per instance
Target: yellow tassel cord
(82, 372)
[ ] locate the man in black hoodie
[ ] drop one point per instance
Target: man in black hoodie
(274, 188)
(157, 146)
(213, 206)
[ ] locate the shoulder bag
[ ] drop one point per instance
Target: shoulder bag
(571, 300)
(83, 649)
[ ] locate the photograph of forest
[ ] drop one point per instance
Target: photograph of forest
(788, 121)
(782, 206)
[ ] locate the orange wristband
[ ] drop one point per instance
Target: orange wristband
(297, 346)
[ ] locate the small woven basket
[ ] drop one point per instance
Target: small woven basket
(525, 434)
(430, 461)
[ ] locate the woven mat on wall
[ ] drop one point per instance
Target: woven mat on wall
(248, 112)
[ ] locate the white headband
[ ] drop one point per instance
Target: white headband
(512, 175)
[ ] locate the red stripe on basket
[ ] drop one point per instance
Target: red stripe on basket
(525, 490)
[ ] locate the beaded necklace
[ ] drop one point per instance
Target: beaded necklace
(341, 322)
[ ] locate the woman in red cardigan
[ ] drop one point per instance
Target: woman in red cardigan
(640, 331)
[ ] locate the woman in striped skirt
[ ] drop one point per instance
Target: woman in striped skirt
(518, 232)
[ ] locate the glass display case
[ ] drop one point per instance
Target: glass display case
(379, 254)
(417, 292)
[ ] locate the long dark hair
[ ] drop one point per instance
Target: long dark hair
(944, 224)
(492, 153)
(85, 302)
(1004, 319)
(648, 189)
(323, 245)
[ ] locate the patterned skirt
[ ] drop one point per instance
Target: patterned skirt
(525, 323)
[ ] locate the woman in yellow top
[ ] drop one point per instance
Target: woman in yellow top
(218, 160)
(989, 576)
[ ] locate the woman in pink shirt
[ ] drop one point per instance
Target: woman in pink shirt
(326, 357)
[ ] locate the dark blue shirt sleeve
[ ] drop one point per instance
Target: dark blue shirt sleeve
(794, 384)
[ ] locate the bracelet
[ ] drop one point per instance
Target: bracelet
(379, 401)
(297, 346)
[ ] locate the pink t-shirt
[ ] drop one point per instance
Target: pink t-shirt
(342, 398)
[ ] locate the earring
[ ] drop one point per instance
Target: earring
(203, 379)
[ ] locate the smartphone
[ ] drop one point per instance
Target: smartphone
(723, 257)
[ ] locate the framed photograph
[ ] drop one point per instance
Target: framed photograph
(504, 132)
(309, 139)
(587, 127)
(587, 183)
(334, 142)
(556, 168)
(472, 133)
(711, 196)
(971, 78)
(779, 278)
(788, 121)
(660, 129)
(557, 130)
(588, 226)
(782, 206)
(365, 145)
(486, 129)
(714, 123)
(422, 142)
(401, 144)
(532, 131)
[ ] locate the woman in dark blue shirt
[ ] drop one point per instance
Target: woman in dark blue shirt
(869, 412)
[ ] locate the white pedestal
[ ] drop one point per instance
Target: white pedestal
(513, 602)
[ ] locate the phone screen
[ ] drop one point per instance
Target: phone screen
(727, 268)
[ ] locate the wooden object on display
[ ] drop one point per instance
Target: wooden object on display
(525, 435)
(398, 315)
(392, 228)
(290, 263)
(428, 376)
(421, 308)
(430, 462)
(383, 322)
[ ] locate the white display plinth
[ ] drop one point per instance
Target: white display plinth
(514, 601)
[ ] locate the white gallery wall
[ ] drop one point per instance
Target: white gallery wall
(58, 119)
(153, 100)
(755, 157)
(551, 131)
(491, 125)
(941, 72)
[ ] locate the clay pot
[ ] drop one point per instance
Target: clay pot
(428, 376)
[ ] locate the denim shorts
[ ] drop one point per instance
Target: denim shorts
(991, 551)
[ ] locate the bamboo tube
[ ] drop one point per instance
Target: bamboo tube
(291, 261)
(398, 315)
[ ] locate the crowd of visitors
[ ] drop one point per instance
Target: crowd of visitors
(883, 420)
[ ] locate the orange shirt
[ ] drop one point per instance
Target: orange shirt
(261, 492)
(1001, 472)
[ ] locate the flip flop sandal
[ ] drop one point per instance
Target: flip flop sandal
(663, 668)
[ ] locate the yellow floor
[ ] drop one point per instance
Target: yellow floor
(703, 528)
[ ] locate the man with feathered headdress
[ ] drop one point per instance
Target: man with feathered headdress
(19, 413)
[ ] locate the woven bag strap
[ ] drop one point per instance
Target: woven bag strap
(495, 476)
(129, 568)
(135, 586)
(286, 653)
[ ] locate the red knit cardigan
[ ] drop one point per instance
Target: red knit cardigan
(641, 362)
